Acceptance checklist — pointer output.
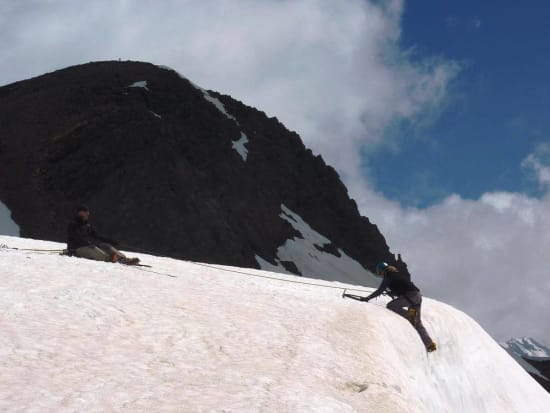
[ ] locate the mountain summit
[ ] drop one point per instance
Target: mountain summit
(168, 167)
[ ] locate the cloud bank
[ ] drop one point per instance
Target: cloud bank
(334, 72)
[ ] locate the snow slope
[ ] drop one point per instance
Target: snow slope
(79, 335)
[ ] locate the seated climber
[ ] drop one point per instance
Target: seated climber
(83, 241)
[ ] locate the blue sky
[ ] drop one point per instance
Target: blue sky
(496, 113)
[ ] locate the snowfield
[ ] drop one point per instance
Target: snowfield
(78, 335)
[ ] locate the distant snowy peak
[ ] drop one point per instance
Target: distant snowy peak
(527, 347)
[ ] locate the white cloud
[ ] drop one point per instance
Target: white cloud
(538, 163)
(476, 22)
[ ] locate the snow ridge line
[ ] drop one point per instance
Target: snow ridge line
(275, 278)
(232, 271)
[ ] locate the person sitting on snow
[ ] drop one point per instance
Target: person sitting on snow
(407, 295)
(83, 241)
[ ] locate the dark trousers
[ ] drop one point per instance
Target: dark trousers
(409, 306)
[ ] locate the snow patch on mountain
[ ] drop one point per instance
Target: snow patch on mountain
(141, 84)
(310, 259)
(80, 335)
(7, 225)
(239, 146)
(219, 105)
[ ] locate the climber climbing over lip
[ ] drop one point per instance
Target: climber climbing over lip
(408, 301)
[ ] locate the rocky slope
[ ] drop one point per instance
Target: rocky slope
(173, 169)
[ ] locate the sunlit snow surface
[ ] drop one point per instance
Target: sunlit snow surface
(86, 336)
(7, 226)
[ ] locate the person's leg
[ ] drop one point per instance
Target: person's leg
(424, 336)
(397, 306)
(111, 251)
(416, 299)
(92, 253)
(117, 256)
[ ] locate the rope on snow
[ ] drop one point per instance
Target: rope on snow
(4, 246)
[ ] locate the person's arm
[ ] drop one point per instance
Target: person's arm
(101, 238)
(380, 290)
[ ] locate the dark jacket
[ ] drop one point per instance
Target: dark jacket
(80, 233)
(396, 283)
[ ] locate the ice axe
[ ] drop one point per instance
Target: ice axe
(352, 296)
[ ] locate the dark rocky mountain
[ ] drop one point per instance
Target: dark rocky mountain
(543, 368)
(170, 168)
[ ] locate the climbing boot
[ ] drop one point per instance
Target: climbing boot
(128, 261)
(411, 316)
